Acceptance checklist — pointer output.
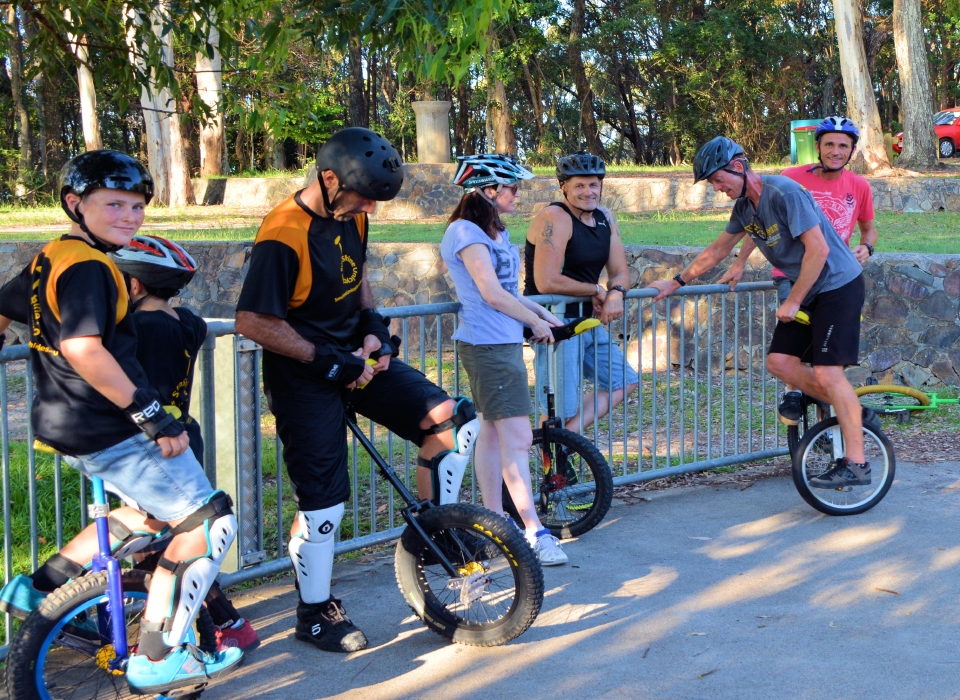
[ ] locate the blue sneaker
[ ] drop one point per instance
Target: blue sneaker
(185, 665)
(20, 598)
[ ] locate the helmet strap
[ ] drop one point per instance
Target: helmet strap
(492, 202)
(95, 241)
(327, 203)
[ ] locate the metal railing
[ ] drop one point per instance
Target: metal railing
(704, 401)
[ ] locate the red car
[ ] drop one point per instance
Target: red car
(947, 126)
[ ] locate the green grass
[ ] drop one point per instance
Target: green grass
(931, 232)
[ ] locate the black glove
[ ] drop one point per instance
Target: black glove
(336, 366)
(150, 416)
(372, 323)
(391, 348)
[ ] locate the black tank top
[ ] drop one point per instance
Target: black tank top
(586, 255)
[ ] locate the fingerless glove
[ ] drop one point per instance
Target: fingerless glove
(149, 415)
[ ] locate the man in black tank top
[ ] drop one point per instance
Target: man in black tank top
(569, 244)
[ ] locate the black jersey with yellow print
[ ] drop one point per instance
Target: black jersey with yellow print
(71, 290)
(307, 269)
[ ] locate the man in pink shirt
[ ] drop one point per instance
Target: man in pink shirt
(844, 197)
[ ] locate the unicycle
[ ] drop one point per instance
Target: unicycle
(467, 573)
(77, 642)
(815, 446)
(573, 488)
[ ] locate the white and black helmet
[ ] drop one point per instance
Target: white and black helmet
(488, 169)
(156, 262)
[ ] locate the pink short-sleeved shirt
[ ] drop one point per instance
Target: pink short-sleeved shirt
(846, 201)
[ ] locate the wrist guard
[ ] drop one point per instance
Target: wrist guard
(372, 323)
(391, 348)
(148, 415)
(335, 366)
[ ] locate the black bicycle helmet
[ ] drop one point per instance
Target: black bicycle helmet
(714, 155)
(156, 262)
(580, 164)
(364, 162)
(102, 169)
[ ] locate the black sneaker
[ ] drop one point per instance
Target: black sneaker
(870, 418)
(790, 408)
(846, 473)
(327, 626)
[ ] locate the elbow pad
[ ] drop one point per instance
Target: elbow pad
(150, 416)
(335, 366)
(372, 323)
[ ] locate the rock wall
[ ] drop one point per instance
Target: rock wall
(910, 331)
(428, 192)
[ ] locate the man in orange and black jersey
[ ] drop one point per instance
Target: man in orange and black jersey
(94, 405)
(306, 300)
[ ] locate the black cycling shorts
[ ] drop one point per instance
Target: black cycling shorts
(311, 421)
(833, 336)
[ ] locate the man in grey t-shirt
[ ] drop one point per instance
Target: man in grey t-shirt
(791, 231)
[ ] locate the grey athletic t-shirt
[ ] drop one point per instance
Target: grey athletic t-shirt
(786, 210)
(480, 323)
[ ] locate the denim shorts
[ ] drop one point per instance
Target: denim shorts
(167, 488)
(599, 354)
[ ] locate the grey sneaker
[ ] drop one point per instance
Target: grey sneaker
(548, 549)
(846, 473)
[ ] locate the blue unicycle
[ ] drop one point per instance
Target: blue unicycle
(76, 644)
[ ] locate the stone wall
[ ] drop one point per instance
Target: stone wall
(910, 331)
(428, 192)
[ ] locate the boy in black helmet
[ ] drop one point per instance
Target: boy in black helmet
(306, 300)
(94, 405)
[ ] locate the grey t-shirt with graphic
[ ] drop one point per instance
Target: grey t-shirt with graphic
(785, 211)
(480, 323)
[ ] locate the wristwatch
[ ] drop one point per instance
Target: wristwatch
(618, 288)
(679, 280)
(870, 248)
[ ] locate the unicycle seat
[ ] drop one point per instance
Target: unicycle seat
(568, 330)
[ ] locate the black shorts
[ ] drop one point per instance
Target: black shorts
(833, 336)
(311, 421)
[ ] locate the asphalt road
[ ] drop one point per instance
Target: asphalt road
(708, 592)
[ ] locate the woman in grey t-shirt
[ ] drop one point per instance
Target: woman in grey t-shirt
(485, 268)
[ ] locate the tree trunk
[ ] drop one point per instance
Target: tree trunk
(871, 156)
(504, 140)
(588, 120)
(359, 115)
(24, 187)
(209, 86)
(88, 91)
(826, 101)
(920, 145)
(276, 158)
(157, 162)
(181, 188)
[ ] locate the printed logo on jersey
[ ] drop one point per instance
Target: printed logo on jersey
(505, 265)
(348, 272)
(839, 211)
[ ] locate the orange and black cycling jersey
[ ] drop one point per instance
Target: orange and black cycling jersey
(71, 290)
(307, 270)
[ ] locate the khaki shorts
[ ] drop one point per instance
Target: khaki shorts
(498, 379)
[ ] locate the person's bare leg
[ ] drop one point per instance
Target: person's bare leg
(516, 437)
(847, 407)
(790, 370)
(603, 405)
(85, 546)
(486, 466)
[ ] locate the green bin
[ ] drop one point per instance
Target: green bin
(806, 144)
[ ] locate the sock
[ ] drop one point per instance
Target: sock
(238, 624)
(792, 391)
(532, 533)
(55, 572)
(221, 609)
(151, 641)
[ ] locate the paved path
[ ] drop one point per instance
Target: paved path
(699, 593)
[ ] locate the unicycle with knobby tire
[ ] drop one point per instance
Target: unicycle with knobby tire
(573, 484)
(76, 643)
(816, 444)
(467, 573)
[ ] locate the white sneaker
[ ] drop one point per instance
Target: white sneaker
(548, 550)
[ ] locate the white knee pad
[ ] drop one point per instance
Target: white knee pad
(312, 552)
(193, 578)
(449, 467)
(448, 476)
